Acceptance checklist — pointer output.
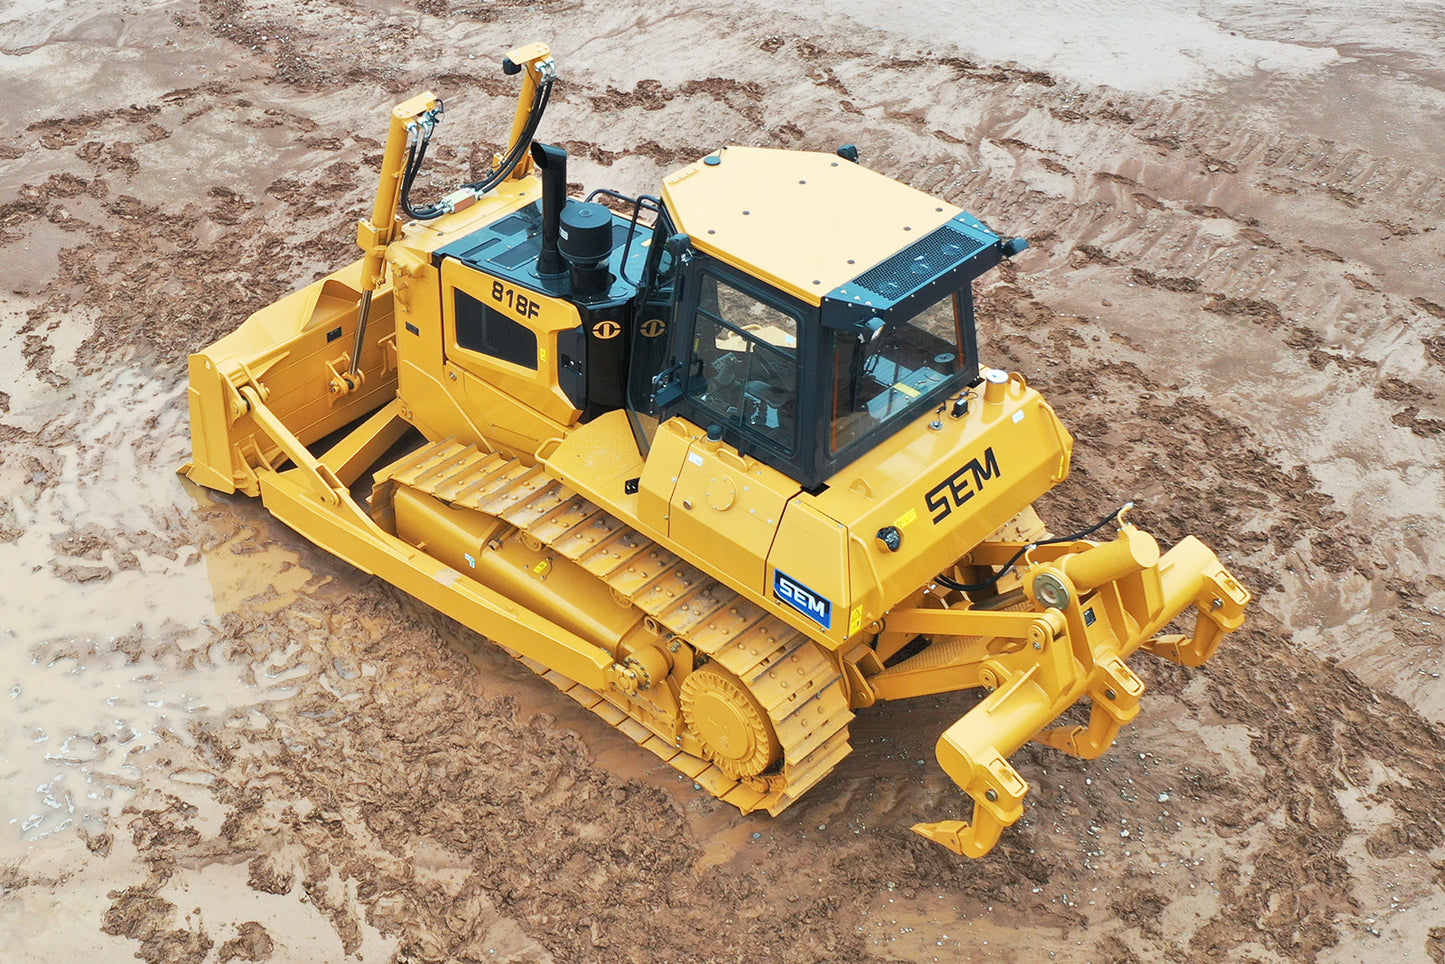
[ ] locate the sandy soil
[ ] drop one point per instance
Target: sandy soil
(221, 745)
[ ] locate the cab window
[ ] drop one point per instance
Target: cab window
(889, 372)
(745, 363)
(483, 329)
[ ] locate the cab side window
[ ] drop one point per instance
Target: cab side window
(482, 329)
(745, 362)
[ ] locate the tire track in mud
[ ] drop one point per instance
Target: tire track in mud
(165, 278)
(406, 804)
(1337, 729)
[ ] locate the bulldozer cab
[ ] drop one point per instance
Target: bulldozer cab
(795, 349)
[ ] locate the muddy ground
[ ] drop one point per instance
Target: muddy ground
(221, 745)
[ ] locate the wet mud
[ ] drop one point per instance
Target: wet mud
(220, 744)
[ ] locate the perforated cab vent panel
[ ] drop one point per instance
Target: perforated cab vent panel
(514, 224)
(900, 274)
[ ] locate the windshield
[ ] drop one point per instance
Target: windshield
(887, 372)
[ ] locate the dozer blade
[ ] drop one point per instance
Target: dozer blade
(1105, 602)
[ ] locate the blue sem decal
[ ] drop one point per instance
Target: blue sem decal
(803, 599)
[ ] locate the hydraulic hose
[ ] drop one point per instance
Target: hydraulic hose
(505, 166)
(519, 148)
(1074, 537)
(416, 154)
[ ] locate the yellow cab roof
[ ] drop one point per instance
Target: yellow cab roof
(804, 221)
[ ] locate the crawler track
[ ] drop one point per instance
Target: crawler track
(793, 679)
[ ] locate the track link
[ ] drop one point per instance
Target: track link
(790, 675)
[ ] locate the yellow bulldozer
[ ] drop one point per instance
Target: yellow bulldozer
(723, 465)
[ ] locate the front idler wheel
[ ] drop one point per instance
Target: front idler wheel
(729, 722)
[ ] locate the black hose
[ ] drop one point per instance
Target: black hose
(504, 169)
(415, 157)
(987, 583)
(496, 176)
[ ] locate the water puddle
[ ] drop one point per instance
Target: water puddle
(916, 926)
(113, 639)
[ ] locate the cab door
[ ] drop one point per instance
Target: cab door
(500, 342)
(655, 355)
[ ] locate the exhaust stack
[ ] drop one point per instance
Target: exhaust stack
(552, 160)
